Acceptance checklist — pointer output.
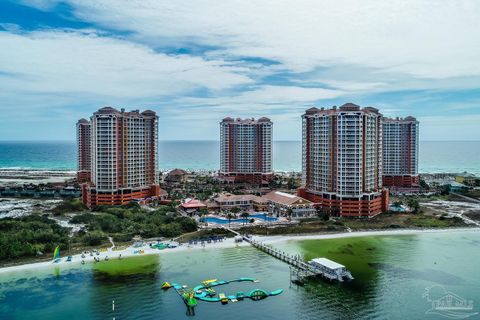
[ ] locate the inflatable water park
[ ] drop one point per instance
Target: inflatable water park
(206, 292)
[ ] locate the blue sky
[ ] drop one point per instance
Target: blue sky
(195, 62)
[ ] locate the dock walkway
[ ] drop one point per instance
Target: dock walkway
(301, 268)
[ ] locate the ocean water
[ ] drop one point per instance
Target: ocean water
(435, 156)
(396, 277)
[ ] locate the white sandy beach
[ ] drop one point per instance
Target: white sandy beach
(228, 243)
(285, 238)
(128, 252)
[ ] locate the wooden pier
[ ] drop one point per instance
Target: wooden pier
(299, 268)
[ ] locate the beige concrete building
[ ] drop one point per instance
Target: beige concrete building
(280, 203)
(243, 201)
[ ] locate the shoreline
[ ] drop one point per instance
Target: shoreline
(228, 243)
(361, 233)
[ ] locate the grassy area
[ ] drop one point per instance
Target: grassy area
(38, 234)
(395, 220)
(380, 222)
(473, 193)
(30, 235)
(68, 206)
(124, 222)
(422, 221)
(310, 226)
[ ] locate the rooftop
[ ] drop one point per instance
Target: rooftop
(192, 204)
(344, 108)
(133, 113)
(349, 107)
(328, 263)
(107, 110)
(246, 120)
(236, 197)
(284, 198)
(398, 119)
(177, 172)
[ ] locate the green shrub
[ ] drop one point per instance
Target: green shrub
(71, 205)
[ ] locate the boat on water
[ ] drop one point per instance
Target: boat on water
(166, 285)
(56, 255)
(69, 259)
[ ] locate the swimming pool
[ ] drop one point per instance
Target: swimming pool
(216, 220)
(263, 217)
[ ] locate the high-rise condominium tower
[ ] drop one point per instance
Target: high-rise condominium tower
(124, 157)
(84, 163)
(246, 149)
(343, 159)
(400, 152)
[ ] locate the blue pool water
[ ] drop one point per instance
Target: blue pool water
(225, 221)
(263, 217)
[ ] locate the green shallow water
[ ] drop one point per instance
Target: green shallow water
(391, 274)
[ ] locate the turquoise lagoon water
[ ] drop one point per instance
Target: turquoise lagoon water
(435, 156)
(392, 273)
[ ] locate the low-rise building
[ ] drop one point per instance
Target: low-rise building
(192, 205)
(275, 202)
(176, 176)
(282, 203)
(228, 201)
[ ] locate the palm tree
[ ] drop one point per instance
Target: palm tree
(235, 210)
(289, 213)
(229, 217)
(200, 214)
(266, 223)
(245, 215)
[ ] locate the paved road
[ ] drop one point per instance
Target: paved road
(111, 241)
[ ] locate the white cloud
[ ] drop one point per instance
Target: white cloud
(50, 62)
(268, 94)
(353, 48)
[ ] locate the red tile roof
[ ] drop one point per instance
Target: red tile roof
(193, 204)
